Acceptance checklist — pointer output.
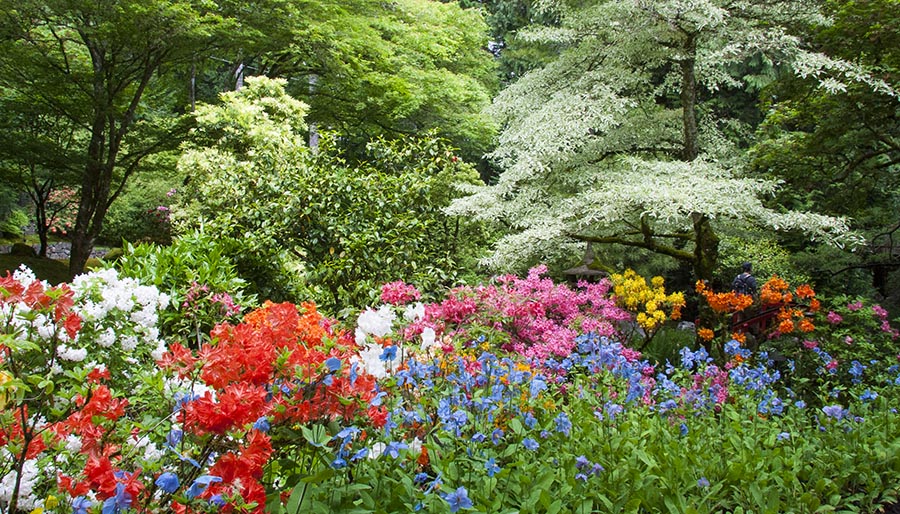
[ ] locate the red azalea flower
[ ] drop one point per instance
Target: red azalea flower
(17, 435)
(66, 484)
(242, 358)
(100, 475)
(64, 303)
(236, 406)
(35, 296)
(72, 325)
(133, 486)
(248, 464)
(378, 415)
(10, 288)
(178, 359)
(98, 374)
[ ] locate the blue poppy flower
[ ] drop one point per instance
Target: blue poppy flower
(168, 482)
(80, 505)
(458, 499)
(491, 467)
(262, 424)
(530, 444)
(563, 424)
(200, 484)
(333, 364)
(389, 353)
(119, 502)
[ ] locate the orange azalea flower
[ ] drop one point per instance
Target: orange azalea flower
(769, 297)
(772, 291)
(777, 283)
(729, 302)
(739, 337)
(705, 334)
(804, 291)
(423, 457)
(786, 326)
(814, 305)
(384, 341)
(807, 326)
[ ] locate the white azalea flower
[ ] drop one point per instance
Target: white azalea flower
(378, 323)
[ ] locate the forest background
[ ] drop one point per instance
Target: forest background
(440, 143)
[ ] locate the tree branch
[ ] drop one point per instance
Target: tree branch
(647, 245)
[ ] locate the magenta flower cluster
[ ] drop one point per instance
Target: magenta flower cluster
(882, 315)
(399, 293)
(534, 316)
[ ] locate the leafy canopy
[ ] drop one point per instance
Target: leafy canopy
(369, 68)
(618, 141)
(95, 65)
(344, 229)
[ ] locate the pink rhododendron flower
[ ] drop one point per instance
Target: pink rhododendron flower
(399, 293)
(855, 306)
(535, 317)
(834, 318)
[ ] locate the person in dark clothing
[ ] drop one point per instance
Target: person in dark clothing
(745, 283)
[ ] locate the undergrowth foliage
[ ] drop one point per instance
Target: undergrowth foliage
(449, 406)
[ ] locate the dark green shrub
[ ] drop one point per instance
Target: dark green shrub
(11, 226)
(23, 250)
(200, 277)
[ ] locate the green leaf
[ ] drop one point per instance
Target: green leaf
(316, 436)
(555, 507)
(296, 499)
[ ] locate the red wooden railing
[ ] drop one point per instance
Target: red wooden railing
(755, 323)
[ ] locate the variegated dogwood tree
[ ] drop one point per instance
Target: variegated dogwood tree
(619, 140)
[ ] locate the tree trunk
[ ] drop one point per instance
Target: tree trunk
(40, 195)
(82, 243)
(879, 279)
(691, 148)
(706, 247)
(40, 214)
(101, 160)
(706, 254)
(82, 236)
(706, 242)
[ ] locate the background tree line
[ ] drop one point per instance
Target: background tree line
(683, 137)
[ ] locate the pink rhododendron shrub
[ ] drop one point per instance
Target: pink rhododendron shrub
(531, 316)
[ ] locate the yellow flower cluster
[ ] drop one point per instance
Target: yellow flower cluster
(648, 302)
